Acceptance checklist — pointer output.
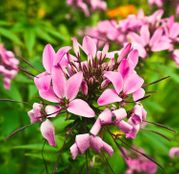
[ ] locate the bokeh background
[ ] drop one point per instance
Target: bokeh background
(25, 27)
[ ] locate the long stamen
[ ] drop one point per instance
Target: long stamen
(26, 72)
(11, 100)
(157, 81)
(143, 98)
(143, 154)
(17, 131)
(108, 163)
(160, 125)
(158, 133)
(28, 63)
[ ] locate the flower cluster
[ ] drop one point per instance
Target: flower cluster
(88, 5)
(138, 163)
(147, 34)
(90, 83)
(8, 66)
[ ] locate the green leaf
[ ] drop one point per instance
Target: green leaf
(44, 35)
(60, 122)
(29, 37)
(37, 147)
(11, 36)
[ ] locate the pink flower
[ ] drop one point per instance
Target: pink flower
(138, 163)
(175, 56)
(8, 66)
(117, 117)
(89, 5)
(156, 42)
(159, 3)
(64, 91)
(48, 132)
(125, 81)
(108, 117)
(50, 58)
(174, 151)
(37, 114)
(85, 141)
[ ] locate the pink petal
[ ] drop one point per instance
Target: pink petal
(138, 94)
(48, 57)
(81, 108)
(107, 97)
(43, 81)
(84, 87)
(82, 142)
(74, 151)
(136, 38)
(124, 68)
(132, 134)
(116, 79)
(174, 32)
(124, 126)
(48, 132)
(141, 50)
(52, 111)
(106, 116)
(89, 46)
(35, 114)
(124, 52)
(60, 54)
(120, 114)
(145, 34)
(96, 127)
(108, 148)
(163, 44)
(76, 46)
(59, 82)
(73, 85)
(49, 95)
(132, 83)
(137, 115)
(105, 50)
(156, 36)
(96, 143)
(133, 58)
(174, 151)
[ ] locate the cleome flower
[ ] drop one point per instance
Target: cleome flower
(88, 5)
(8, 66)
(88, 82)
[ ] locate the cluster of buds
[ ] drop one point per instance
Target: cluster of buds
(88, 6)
(90, 83)
(147, 34)
(8, 66)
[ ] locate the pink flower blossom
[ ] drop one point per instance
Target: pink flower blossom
(88, 5)
(8, 66)
(138, 163)
(144, 41)
(75, 81)
(48, 132)
(159, 3)
(42, 115)
(85, 141)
